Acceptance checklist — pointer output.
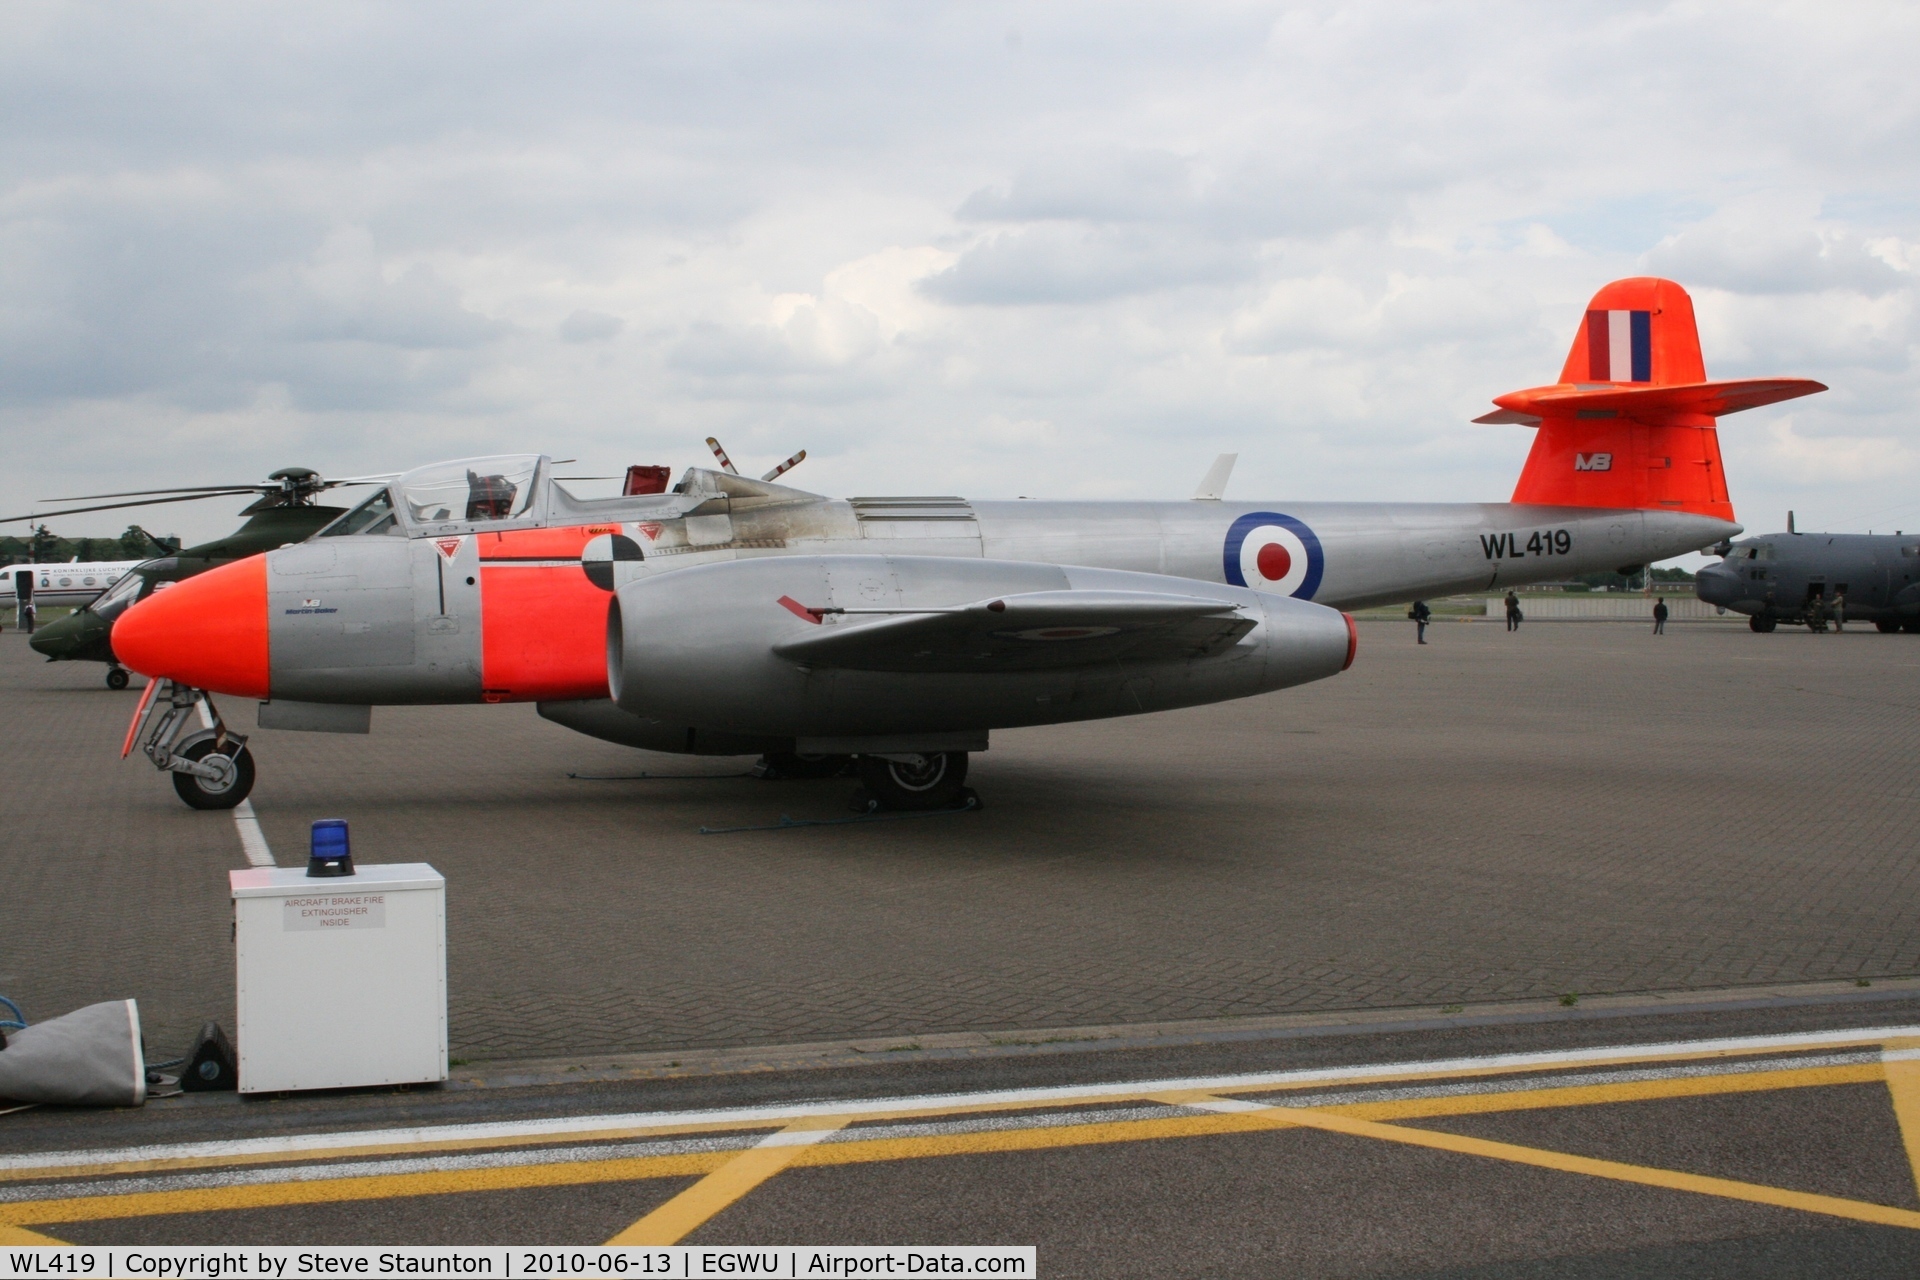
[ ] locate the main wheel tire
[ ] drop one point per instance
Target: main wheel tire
(202, 794)
(932, 783)
(1911, 626)
(791, 764)
(1761, 622)
(1887, 626)
(117, 679)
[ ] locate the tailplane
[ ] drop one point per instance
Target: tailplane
(1632, 421)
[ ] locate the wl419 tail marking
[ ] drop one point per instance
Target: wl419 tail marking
(1543, 542)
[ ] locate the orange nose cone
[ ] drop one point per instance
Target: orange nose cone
(209, 631)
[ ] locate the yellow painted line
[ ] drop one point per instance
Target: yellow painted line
(679, 1216)
(268, 1195)
(20, 1235)
(399, 1186)
(1903, 1086)
(1644, 1175)
(934, 1108)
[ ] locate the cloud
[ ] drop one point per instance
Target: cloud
(1770, 245)
(1049, 264)
(1082, 261)
(1834, 459)
(582, 325)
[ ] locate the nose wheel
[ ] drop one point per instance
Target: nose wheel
(117, 678)
(233, 775)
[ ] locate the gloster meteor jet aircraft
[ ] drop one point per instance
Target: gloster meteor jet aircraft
(732, 616)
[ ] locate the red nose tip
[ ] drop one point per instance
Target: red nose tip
(209, 632)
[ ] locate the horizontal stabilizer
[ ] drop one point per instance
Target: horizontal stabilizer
(1713, 399)
(1040, 630)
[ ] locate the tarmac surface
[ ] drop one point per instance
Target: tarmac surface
(1707, 834)
(1575, 808)
(1785, 1144)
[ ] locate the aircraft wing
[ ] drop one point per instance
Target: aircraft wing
(1039, 630)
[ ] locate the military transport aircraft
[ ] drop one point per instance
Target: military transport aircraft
(284, 511)
(1777, 578)
(732, 616)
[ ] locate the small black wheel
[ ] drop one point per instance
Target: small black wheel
(117, 678)
(1761, 622)
(791, 764)
(1913, 625)
(929, 781)
(1887, 626)
(202, 794)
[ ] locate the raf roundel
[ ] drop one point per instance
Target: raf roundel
(1271, 552)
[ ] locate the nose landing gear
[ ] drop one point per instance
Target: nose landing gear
(211, 768)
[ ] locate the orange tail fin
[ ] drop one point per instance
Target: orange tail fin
(1631, 423)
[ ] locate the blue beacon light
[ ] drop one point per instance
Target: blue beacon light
(332, 853)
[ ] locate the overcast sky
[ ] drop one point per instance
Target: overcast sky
(1056, 250)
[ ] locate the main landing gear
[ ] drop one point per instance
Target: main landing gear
(117, 678)
(211, 768)
(1762, 622)
(929, 780)
(900, 781)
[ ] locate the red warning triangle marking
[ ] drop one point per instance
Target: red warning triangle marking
(448, 547)
(651, 530)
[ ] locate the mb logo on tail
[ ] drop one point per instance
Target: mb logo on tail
(1593, 462)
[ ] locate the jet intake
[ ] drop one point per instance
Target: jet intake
(816, 647)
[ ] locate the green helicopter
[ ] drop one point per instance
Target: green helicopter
(285, 511)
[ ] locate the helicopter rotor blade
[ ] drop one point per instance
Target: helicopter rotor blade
(191, 488)
(115, 506)
(328, 484)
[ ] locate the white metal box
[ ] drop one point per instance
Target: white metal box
(342, 981)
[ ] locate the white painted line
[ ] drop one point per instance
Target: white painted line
(917, 1129)
(561, 1127)
(253, 841)
(797, 1137)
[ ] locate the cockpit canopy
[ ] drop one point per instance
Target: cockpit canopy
(474, 489)
(465, 492)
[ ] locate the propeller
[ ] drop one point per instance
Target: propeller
(287, 487)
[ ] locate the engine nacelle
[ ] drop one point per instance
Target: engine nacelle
(839, 647)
